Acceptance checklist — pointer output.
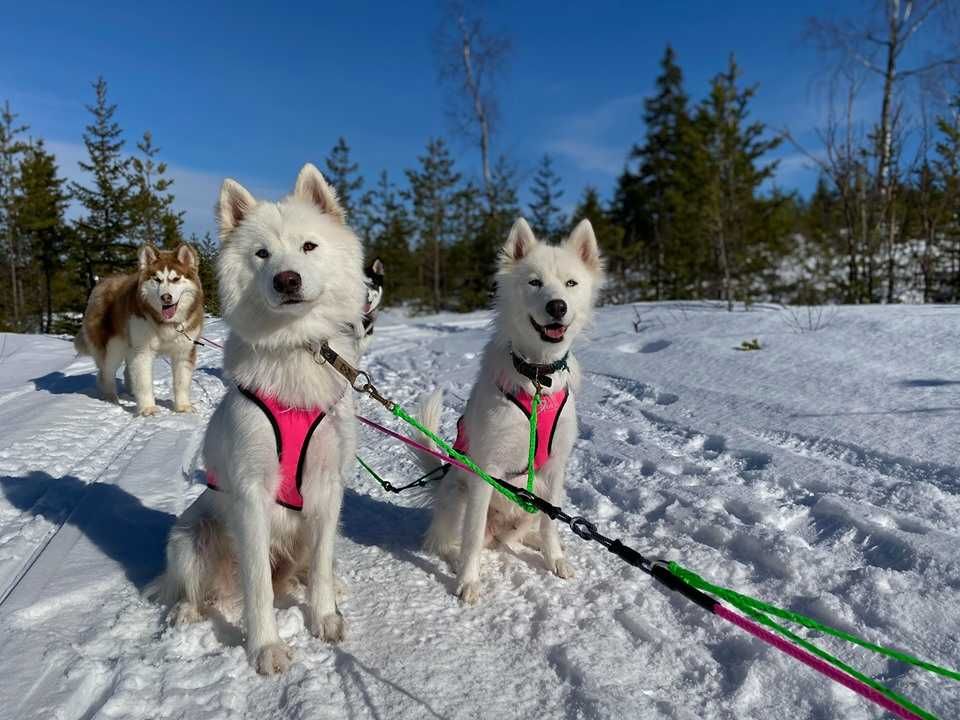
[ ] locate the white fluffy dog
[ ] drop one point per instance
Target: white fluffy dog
(279, 445)
(545, 297)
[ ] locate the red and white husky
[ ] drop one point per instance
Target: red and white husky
(133, 318)
(545, 297)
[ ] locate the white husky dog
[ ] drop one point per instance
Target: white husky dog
(545, 297)
(279, 444)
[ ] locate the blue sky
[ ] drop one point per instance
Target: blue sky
(252, 91)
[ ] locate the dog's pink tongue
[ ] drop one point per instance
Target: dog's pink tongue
(555, 331)
(169, 311)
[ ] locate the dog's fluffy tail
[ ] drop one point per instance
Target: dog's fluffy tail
(431, 408)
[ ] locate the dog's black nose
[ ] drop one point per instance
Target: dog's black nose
(166, 299)
(287, 282)
(556, 309)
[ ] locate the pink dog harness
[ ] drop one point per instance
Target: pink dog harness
(292, 429)
(548, 417)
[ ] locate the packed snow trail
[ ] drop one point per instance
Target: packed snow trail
(819, 473)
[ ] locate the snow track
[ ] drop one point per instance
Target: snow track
(811, 473)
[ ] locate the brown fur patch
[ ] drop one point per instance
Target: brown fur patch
(117, 298)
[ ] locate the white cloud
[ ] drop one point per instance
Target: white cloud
(598, 140)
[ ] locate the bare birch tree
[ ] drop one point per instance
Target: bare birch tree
(469, 58)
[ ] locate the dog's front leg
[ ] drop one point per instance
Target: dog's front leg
(267, 653)
(140, 362)
(323, 618)
(474, 533)
(182, 375)
(549, 536)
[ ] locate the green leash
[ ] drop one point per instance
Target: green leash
(760, 611)
(753, 607)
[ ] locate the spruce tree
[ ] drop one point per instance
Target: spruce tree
(609, 235)
(664, 174)
(207, 250)
(433, 189)
(11, 149)
(153, 218)
(103, 237)
(343, 175)
(733, 149)
(546, 218)
(389, 237)
(39, 210)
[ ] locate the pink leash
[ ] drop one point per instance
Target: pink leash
(814, 662)
(412, 443)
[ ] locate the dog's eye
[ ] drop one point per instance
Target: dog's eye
(308, 246)
(157, 280)
(536, 283)
(572, 283)
(263, 253)
(174, 279)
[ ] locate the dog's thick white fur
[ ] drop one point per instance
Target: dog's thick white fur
(240, 532)
(468, 515)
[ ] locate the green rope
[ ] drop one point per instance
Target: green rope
(836, 662)
(757, 609)
(465, 459)
(383, 483)
(532, 451)
(735, 598)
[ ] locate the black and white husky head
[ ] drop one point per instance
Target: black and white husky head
(373, 279)
(373, 284)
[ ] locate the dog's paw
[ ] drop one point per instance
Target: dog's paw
(469, 592)
(560, 567)
(330, 627)
(273, 659)
(184, 613)
(149, 410)
(183, 407)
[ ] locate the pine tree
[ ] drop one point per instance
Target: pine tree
(665, 176)
(947, 165)
(342, 174)
(152, 216)
(482, 243)
(103, 241)
(546, 218)
(609, 233)
(208, 249)
(39, 210)
(390, 232)
(10, 151)
(733, 150)
(433, 190)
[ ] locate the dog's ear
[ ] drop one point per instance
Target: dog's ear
(234, 205)
(583, 242)
(188, 256)
(313, 188)
(148, 254)
(519, 243)
(377, 266)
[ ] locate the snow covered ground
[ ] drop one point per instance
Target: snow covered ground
(820, 473)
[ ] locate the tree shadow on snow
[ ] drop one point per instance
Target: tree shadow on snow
(927, 382)
(397, 529)
(348, 666)
(129, 533)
